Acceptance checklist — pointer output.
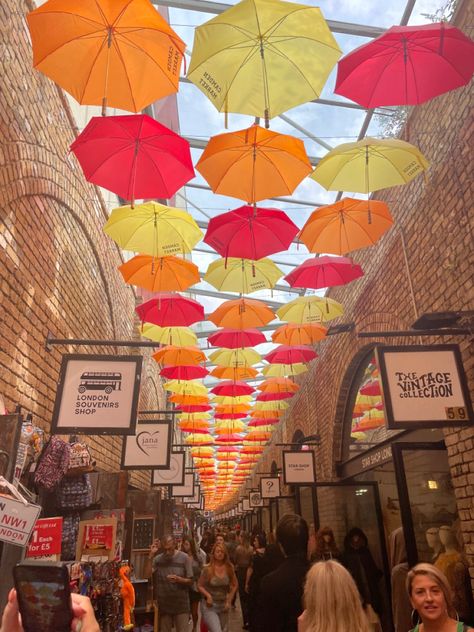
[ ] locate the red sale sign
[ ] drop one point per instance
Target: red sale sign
(46, 538)
(98, 536)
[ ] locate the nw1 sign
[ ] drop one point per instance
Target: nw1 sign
(17, 520)
(46, 538)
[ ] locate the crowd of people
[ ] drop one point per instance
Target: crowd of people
(286, 583)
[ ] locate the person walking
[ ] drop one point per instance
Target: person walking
(255, 572)
(243, 556)
(217, 585)
(188, 546)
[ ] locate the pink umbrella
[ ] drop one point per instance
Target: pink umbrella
(372, 388)
(183, 372)
(230, 415)
(271, 397)
(326, 271)
(170, 310)
(193, 408)
(232, 389)
(284, 354)
(255, 423)
(236, 338)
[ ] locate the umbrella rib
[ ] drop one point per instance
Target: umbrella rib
(292, 63)
(73, 39)
(387, 158)
(120, 56)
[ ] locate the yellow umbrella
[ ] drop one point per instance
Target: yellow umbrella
(235, 357)
(272, 405)
(194, 416)
(283, 370)
(153, 229)
(369, 164)
(310, 309)
(242, 275)
(262, 57)
(188, 387)
(174, 336)
(233, 425)
(228, 399)
(199, 438)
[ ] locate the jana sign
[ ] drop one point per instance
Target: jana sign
(298, 467)
(424, 386)
(149, 448)
(17, 520)
(270, 487)
(46, 538)
(172, 476)
(97, 394)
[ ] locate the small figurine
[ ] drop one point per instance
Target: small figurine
(127, 592)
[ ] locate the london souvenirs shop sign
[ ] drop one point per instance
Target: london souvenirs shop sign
(424, 386)
(97, 394)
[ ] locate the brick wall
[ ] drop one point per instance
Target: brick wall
(58, 270)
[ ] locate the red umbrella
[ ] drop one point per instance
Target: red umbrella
(231, 438)
(230, 415)
(271, 397)
(256, 423)
(193, 408)
(326, 271)
(236, 338)
(284, 354)
(372, 388)
(170, 310)
(232, 389)
(407, 65)
(134, 156)
(250, 233)
(184, 372)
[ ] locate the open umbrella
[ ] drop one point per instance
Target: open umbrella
(295, 334)
(100, 51)
(179, 356)
(345, 226)
(270, 397)
(250, 232)
(169, 310)
(228, 415)
(227, 400)
(133, 156)
(242, 275)
(194, 416)
(283, 370)
(236, 338)
(235, 357)
(183, 398)
(153, 229)
(232, 388)
(285, 354)
(234, 373)
(177, 336)
(193, 408)
(262, 57)
(258, 423)
(321, 272)
(310, 309)
(162, 274)
(242, 313)
(254, 164)
(407, 65)
(184, 372)
(273, 405)
(277, 385)
(186, 388)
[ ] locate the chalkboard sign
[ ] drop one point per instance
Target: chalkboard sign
(143, 533)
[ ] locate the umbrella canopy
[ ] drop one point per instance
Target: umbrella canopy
(100, 51)
(236, 338)
(369, 164)
(254, 164)
(232, 389)
(235, 357)
(371, 388)
(270, 397)
(283, 370)
(163, 274)
(294, 334)
(407, 65)
(227, 415)
(193, 408)
(266, 414)
(178, 398)
(250, 232)
(134, 156)
(183, 372)
(258, 423)
(194, 416)
(322, 272)
(285, 354)
(278, 385)
(234, 373)
(274, 405)
(153, 229)
(179, 356)
(262, 57)
(193, 425)
(222, 409)
(310, 309)
(177, 336)
(170, 310)
(242, 275)
(231, 399)
(186, 388)
(242, 313)
(346, 225)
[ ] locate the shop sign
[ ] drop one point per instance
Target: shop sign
(246, 504)
(17, 518)
(270, 487)
(195, 499)
(98, 536)
(149, 448)
(174, 475)
(97, 394)
(367, 461)
(298, 467)
(185, 490)
(424, 386)
(46, 538)
(255, 499)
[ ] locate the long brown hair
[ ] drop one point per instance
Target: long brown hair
(226, 561)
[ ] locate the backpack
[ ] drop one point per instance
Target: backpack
(80, 459)
(74, 493)
(53, 463)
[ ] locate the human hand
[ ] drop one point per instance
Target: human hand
(227, 604)
(209, 601)
(172, 578)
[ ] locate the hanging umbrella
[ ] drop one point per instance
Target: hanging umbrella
(364, 403)
(199, 438)
(235, 357)
(254, 164)
(278, 385)
(193, 428)
(134, 156)
(184, 398)
(199, 424)
(194, 408)
(371, 388)
(175, 336)
(294, 334)
(283, 370)
(369, 164)
(202, 452)
(250, 232)
(170, 310)
(231, 399)
(273, 406)
(269, 397)
(407, 65)
(162, 274)
(266, 414)
(194, 416)
(153, 229)
(232, 389)
(179, 356)
(346, 226)
(262, 57)
(285, 354)
(232, 408)
(322, 272)
(183, 372)
(242, 313)
(100, 51)
(227, 415)
(236, 338)
(242, 275)
(186, 388)
(258, 435)
(310, 309)
(258, 423)
(234, 373)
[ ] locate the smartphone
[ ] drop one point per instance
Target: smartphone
(44, 596)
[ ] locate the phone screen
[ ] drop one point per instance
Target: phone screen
(44, 597)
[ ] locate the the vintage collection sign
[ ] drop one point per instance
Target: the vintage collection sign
(424, 386)
(270, 487)
(298, 467)
(149, 448)
(46, 538)
(185, 490)
(174, 475)
(97, 394)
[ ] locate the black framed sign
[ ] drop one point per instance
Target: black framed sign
(246, 504)
(424, 386)
(149, 448)
(255, 499)
(195, 498)
(97, 394)
(185, 490)
(174, 475)
(270, 486)
(298, 467)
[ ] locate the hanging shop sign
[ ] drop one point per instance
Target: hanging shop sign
(46, 538)
(255, 499)
(270, 487)
(185, 490)
(424, 386)
(174, 475)
(298, 467)
(195, 499)
(246, 505)
(97, 394)
(149, 448)
(17, 516)
(96, 539)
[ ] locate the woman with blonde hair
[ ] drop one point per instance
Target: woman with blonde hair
(217, 585)
(431, 598)
(332, 601)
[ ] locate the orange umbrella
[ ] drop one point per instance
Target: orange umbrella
(296, 334)
(242, 313)
(101, 51)
(346, 226)
(236, 408)
(178, 398)
(179, 356)
(193, 426)
(162, 274)
(254, 164)
(234, 373)
(267, 414)
(278, 385)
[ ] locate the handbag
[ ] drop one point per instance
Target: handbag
(53, 463)
(74, 493)
(80, 459)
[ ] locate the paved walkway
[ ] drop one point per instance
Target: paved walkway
(235, 619)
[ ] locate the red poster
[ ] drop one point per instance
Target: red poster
(98, 536)
(46, 538)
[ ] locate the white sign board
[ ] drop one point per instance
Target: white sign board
(246, 504)
(17, 520)
(255, 499)
(149, 448)
(298, 467)
(270, 487)
(184, 490)
(97, 394)
(172, 476)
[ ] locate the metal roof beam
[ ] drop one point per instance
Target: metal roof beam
(276, 288)
(279, 262)
(230, 297)
(286, 200)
